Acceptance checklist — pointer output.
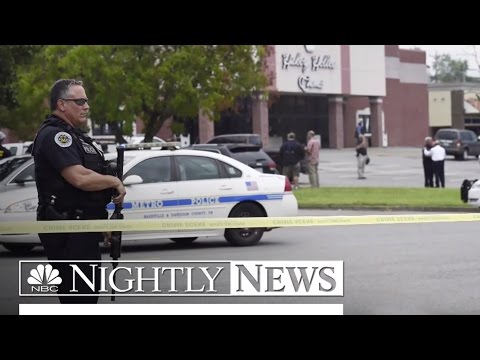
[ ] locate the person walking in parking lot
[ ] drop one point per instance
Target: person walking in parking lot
(4, 152)
(438, 154)
(72, 184)
(359, 130)
(362, 156)
(427, 162)
(291, 153)
(313, 152)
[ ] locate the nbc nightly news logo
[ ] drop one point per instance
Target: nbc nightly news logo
(186, 278)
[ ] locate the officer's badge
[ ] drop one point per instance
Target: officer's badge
(63, 139)
(89, 149)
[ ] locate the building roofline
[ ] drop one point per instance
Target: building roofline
(455, 86)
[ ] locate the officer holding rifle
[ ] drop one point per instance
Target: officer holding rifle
(74, 182)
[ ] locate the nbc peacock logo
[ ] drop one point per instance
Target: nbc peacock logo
(44, 279)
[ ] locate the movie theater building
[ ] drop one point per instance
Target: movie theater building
(329, 89)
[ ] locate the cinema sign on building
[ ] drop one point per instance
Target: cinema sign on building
(330, 69)
(330, 88)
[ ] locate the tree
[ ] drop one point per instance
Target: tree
(448, 70)
(10, 57)
(152, 82)
(473, 53)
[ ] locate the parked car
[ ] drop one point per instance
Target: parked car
(17, 172)
(275, 155)
(173, 184)
(254, 139)
(109, 144)
(19, 148)
(251, 155)
(137, 139)
(458, 142)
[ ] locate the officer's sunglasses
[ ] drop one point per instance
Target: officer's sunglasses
(79, 102)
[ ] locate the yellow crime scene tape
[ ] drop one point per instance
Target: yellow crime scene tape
(71, 226)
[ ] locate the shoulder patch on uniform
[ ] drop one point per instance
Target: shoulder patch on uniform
(63, 139)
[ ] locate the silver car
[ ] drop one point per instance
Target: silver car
(17, 172)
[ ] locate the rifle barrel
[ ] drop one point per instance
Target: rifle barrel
(116, 239)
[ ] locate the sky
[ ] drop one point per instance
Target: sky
(456, 51)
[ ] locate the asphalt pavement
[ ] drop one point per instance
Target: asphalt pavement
(394, 269)
(389, 167)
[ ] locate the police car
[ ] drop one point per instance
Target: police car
(176, 184)
(470, 192)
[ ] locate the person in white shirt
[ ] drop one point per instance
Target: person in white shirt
(438, 154)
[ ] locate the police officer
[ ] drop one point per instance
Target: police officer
(4, 152)
(72, 183)
(291, 153)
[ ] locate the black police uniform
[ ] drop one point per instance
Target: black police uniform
(291, 153)
(427, 167)
(57, 146)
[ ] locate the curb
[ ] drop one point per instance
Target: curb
(394, 208)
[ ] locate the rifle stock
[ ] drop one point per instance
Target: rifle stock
(116, 238)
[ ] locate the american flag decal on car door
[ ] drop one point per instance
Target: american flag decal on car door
(251, 185)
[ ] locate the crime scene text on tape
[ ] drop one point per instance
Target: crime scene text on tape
(72, 226)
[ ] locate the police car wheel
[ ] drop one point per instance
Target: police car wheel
(19, 249)
(185, 240)
(245, 236)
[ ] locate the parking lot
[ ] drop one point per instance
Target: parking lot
(389, 167)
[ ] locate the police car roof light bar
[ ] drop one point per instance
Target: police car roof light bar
(174, 145)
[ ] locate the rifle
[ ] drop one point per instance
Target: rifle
(116, 239)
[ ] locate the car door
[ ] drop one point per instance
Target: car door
(155, 197)
(12, 168)
(24, 178)
(204, 187)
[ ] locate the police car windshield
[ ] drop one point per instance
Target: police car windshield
(8, 165)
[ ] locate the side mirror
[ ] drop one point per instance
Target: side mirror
(132, 180)
(22, 179)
